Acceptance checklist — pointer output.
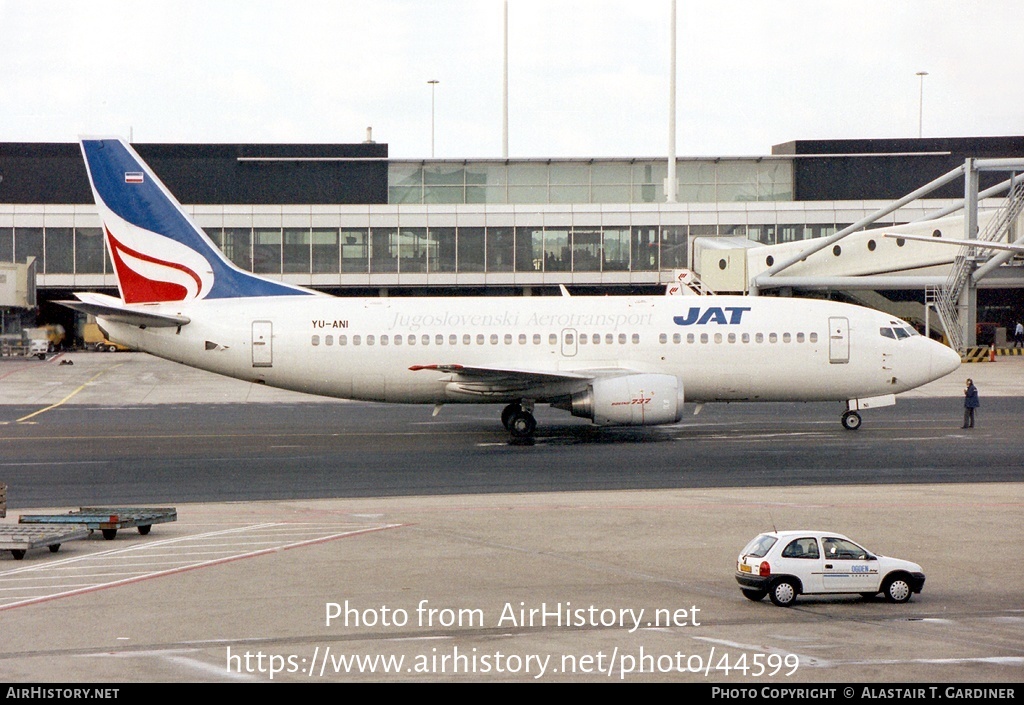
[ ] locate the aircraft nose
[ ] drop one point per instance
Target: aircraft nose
(944, 360)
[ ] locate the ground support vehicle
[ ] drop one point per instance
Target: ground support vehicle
(108, 519)
(18, 539)
(784, 564)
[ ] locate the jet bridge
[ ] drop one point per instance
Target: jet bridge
(862, 257)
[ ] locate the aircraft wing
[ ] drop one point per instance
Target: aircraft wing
(497, 381)
(115, 310)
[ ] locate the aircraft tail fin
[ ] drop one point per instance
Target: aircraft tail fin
(159, 254)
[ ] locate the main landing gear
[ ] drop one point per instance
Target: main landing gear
(851, 420)
(518, 419)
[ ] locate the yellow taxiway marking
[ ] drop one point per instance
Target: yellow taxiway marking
(23, 419)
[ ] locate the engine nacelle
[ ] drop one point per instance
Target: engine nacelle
(630, 400)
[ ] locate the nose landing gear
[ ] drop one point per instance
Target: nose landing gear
(851, 420)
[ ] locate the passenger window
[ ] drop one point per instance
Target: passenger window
(732, 338)
(786, 337)
(552, 339)
(663, 338)
(799, 337)
(412, 339)
(814, 337)
(622, 338)
(704, 337)
(357, 339)
(384, 340)
(342, 340)
(438, 339)
(802, 548)
(636, 339)
(745, 337)
(398, 340)
(843, 550)
(494, 338)
(466, 339)
(425, 339)
(536, 338)
(773, 337)
(690, 338)
(369, 340)
(718, 337)
(759, 338)
(522, 338)
(453, 339)
(316, 340)
(479, 338)
(676, 338)
(596, 339)
(569, 338)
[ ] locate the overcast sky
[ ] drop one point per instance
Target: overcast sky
(586, 77)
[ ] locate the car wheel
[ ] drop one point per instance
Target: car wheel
(783, 593)
(897, 589)
(754, 595)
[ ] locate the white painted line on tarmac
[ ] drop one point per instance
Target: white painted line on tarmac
(44, 570)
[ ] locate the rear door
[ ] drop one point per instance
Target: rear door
(262, 344)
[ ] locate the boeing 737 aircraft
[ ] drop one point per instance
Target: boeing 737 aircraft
(615, 360)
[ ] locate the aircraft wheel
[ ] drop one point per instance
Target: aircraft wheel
(851, 420)
(522, 424)
(506, 414)
(109, 534)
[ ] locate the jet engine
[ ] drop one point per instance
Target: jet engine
(629, 400)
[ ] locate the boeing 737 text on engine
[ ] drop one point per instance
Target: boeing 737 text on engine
(614, 360)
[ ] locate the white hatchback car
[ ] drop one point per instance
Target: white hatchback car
(784, 564)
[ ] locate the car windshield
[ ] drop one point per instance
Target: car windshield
(760, 546)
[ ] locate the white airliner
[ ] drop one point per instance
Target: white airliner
(616, 360)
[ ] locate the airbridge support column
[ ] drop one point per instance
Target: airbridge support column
(968, 303)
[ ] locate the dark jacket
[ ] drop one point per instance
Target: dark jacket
(971, 397)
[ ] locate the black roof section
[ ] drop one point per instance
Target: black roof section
(245, 174)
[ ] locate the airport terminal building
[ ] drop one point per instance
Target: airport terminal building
(346, 219)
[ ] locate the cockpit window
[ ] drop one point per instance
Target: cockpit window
(898, 332)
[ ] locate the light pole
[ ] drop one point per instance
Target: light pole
(433, 84)
(920, 104)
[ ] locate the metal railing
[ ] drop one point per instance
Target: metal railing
(947, 302)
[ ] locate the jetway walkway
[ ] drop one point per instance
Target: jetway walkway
(919, 255)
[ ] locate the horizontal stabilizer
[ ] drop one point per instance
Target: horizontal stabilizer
(113, 310)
